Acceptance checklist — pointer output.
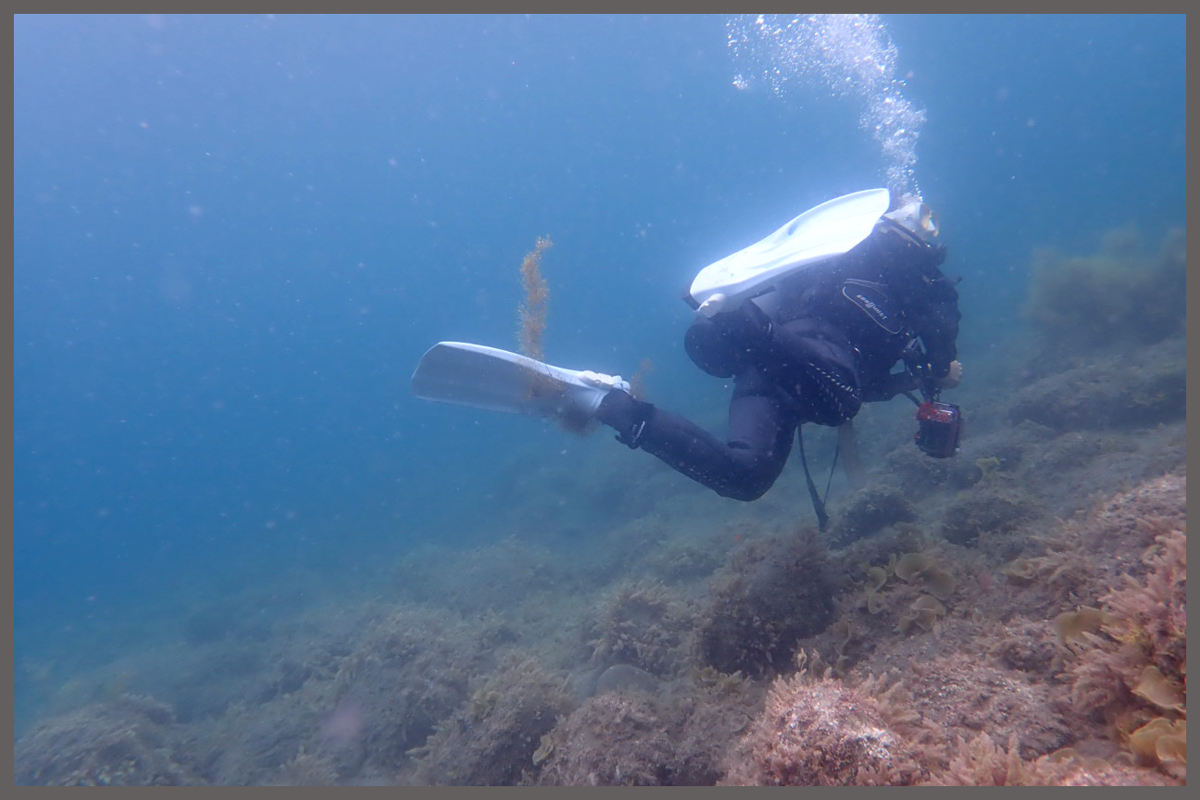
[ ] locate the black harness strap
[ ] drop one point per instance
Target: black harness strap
(817, 501)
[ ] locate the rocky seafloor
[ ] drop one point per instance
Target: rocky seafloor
(1012, 616)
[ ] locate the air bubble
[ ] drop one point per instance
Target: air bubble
(845, 54)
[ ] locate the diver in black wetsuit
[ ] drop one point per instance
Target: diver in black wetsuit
(814, 350)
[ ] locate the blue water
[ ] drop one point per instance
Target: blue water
(235, 236)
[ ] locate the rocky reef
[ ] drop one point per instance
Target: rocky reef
(126, 741)
(1119, 295)
(774, 593)
(1012, 616)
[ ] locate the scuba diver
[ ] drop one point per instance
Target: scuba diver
(808, 324)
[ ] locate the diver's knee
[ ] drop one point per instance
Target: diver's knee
(750, 488)
(746, 494)
(709, 349)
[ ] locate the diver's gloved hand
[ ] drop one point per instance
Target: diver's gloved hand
(952, 378)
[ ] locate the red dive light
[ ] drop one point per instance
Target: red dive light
(938, 428)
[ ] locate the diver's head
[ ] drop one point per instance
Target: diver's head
(916, 218)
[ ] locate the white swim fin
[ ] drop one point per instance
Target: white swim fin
(496, 380)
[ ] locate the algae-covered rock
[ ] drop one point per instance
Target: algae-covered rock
(870, 510)
(1119, 293)
(493, 738)
(613, 739)
(821, 733)
(998, 510)
(127, 741)
(776, 592)
(641, 624)
(1136, 390)
(626, 678)
(638, 739)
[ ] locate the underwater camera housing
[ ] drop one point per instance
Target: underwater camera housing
(938, 428)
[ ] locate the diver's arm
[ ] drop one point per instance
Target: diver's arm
(937, 324)
(895, 383)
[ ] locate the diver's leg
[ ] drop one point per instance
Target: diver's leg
(744, 468)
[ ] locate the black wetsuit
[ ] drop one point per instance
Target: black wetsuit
(812, 351)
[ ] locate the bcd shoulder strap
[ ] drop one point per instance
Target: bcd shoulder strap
(874, 301)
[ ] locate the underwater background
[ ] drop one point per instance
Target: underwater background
(234, 237)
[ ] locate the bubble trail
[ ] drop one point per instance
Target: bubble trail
(846, 55)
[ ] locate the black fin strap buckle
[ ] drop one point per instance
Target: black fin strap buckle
(634, 437)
